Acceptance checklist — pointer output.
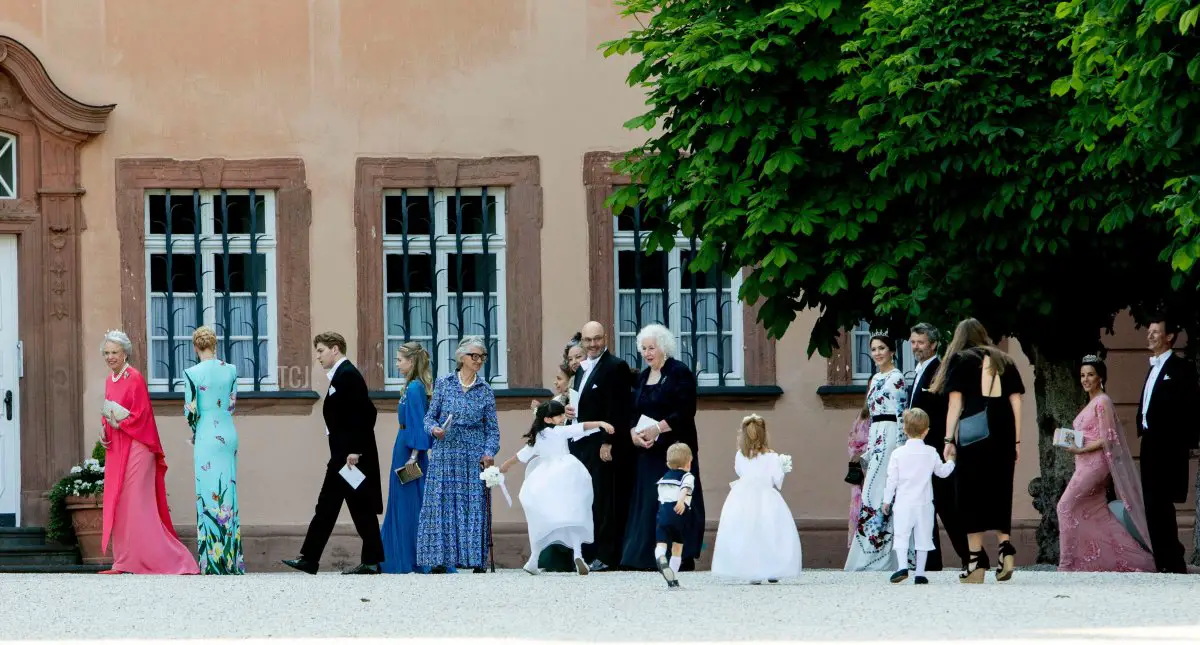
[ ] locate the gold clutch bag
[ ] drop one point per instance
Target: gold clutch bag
(409, 472)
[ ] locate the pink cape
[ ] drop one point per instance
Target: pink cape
(131, 393)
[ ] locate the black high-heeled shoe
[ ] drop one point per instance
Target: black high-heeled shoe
(1007, 557)
(977, 566)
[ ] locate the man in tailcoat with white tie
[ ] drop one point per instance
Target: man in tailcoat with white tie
(1169, 430)
(349, 417)
(925, 339)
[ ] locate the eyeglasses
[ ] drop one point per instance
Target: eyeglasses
(476, 356)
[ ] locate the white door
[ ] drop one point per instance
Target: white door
(10, 396)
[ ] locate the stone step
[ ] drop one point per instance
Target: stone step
(39, 555)
(26, 536)
(52, 568)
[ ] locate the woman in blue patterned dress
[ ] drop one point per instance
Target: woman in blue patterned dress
(412, 447)
(210, 394)
(453, 526)
(887, 397)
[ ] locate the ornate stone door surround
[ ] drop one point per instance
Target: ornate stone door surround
(46, 217)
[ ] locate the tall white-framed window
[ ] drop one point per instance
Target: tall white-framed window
(8, 166)
(863, 366)
(444, 275)
(702, 309)
(210, 260)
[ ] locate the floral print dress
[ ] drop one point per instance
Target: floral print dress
(212, 386)
(453, 527)
(871, 544)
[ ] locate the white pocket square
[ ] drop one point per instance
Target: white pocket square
(1166, 377)
(595, 385)
(332, 390)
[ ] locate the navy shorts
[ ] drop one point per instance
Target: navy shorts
(670, 527)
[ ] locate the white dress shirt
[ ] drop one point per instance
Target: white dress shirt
(588, 365)
(910, 474)
(329, 377)
(920, 372)
(1156, 365)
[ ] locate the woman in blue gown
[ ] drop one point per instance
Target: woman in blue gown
(412, 446)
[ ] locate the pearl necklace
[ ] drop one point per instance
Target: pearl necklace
(116, 377)
(467, 386)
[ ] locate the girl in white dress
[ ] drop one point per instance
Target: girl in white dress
(557, 495)
(757, 538)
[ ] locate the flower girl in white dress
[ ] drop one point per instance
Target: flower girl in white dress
(757, 538)
(557, 495)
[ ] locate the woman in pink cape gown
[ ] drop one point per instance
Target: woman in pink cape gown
(137, 519)
(1091, 538)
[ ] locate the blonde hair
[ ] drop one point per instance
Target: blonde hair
(752, 440)
(970, 335)
(916, 422)
(204, 338)
(421, 371)
(678, 455)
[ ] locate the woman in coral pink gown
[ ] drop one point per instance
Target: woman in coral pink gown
(136, 517)
(1091, 538)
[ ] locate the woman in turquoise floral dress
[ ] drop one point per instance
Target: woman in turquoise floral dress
(210, 395)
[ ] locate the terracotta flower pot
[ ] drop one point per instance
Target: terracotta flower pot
(87, 516)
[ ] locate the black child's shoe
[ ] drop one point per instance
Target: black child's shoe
(664, 567)
(920, 580)
(899, 576)
(300, 564)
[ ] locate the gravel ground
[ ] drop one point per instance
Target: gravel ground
(821, 606)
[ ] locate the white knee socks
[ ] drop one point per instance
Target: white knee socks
(675, 562)
(921, 557)
(659, 551)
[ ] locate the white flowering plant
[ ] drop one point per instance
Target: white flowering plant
(84, 480)
(491, 476)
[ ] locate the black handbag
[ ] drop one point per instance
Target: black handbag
(974, 428)
(854, 475)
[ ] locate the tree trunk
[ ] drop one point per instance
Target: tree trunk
(1059, 399)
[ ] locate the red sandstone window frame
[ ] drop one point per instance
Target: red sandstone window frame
(758, 366)
(520, 177)
(293, 218)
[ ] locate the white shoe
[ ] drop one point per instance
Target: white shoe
(581, 567)
(531, 568)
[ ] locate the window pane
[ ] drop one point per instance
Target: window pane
(241, 279)
(703, 354)
(171, 331)
(477, 273)
(701, 306)
(8, 167)
(420, 319)
(636, 269)
(640, 218)
(182, 210)
(473, 214)
(420, 274)
(241, 316)
(417, 203)
(473, 312)
(181, 270)
(707, 280)
(237, 209)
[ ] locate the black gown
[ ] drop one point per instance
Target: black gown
(985, 469)
(673, 398)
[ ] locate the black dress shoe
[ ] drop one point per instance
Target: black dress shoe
(479, 570)
(362, 569)
(597, 565)
(921, 580)
(899, 576)
(300, 564)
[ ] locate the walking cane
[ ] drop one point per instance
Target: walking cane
(491, 551)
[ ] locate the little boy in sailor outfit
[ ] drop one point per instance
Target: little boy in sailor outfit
(910, 475)
(674, 510)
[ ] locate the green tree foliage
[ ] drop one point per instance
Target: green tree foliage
(1136, 76)
(896, 160)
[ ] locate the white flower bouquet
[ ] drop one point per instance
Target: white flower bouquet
(785, 463)
(492, 477)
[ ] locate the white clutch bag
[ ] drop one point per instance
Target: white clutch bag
(1068, 437)
(114, 411)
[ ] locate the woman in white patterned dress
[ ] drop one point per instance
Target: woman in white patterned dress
(887, 397)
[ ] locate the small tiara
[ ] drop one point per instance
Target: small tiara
(1091, 358)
